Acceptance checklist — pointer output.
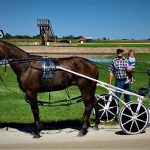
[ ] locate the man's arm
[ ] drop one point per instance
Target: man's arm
(110, 77)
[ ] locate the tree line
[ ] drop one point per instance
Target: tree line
(9, 36)
(38, 36)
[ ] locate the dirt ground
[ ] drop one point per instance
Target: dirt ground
(78, 51)
(106, 138)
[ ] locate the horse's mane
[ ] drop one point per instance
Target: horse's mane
(17, 48)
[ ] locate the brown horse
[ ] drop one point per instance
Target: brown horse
(31, 81)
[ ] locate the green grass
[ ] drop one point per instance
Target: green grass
(14, 109)
(114, 44)
(94, 43)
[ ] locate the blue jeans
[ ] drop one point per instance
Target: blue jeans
(121, 84)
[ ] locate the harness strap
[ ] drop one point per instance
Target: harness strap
(48, 67)
(5, 84)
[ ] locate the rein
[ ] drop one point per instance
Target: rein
(22, 60)
(5, 85)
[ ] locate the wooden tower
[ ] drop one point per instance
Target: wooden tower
(46, 30)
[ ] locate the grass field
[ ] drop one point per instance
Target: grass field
(76, 43)
(14, 109)
(116, 44)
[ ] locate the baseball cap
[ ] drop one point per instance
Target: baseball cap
(119, 51)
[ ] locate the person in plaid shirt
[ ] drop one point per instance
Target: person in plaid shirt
(118, 69)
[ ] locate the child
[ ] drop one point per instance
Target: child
(131, 66)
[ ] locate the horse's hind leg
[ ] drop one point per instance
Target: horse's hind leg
(88, 95)
(95, 106)
(90, 103)
(32, 97)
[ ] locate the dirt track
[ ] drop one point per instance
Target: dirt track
(78, 51)
(107, 138)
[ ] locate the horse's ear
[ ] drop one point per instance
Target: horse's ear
(1, 34)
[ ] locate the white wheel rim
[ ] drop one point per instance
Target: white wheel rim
(110, 113)
(133, 123)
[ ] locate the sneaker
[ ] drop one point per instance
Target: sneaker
(132, 80)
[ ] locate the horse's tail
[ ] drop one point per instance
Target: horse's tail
(97, 74)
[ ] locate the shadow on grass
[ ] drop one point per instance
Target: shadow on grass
(28, 127)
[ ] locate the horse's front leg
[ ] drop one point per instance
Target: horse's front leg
(32, 97)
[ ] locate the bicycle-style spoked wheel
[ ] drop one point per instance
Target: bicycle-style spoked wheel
(132, 120)
(108, 107)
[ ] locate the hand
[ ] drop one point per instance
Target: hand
(129, 69)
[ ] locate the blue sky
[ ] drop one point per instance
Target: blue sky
(114, 19)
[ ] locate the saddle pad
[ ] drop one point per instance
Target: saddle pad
(47, 67)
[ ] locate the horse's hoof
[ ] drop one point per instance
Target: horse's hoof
(36, 136)
(96, 128)
(82, 133)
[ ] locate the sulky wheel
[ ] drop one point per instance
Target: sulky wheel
(108, 107)
(132, 120)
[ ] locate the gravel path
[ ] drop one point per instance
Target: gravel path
(105, 138)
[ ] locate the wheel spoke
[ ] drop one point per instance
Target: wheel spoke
(127, 122)
(101, 105)
(127, 115)
(131, 125)
(112, 107)
(105, 102)
(107, 115)
(141, 113)
(102, 114)
(111, 112)
(137, 125)
(130, 109)
(101, 110)
(141, 120)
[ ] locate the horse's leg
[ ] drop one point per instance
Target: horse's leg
(87, 113)
(92, 103)
(35, 111)
(95, 106)
(87, 94)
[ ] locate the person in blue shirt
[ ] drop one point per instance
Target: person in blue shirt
(131, 66)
